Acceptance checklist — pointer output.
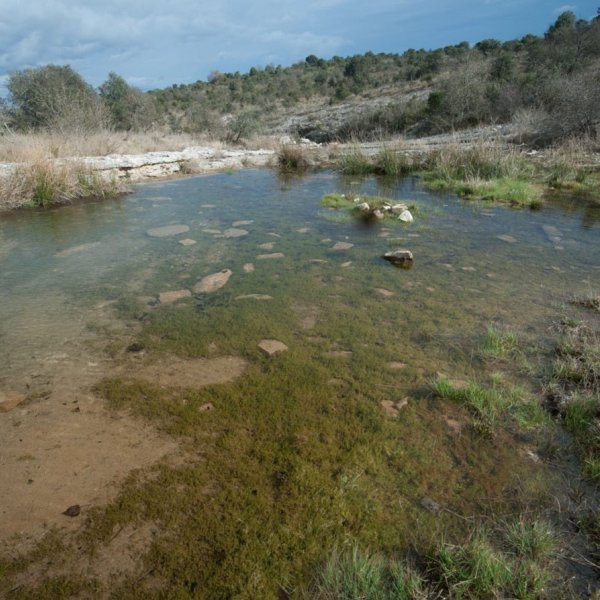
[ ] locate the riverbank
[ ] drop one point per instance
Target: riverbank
(486, 163)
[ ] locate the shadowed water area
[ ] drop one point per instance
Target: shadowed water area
(339, 438)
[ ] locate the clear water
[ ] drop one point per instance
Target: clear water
(63, 272)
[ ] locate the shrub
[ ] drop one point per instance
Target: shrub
(292, 158)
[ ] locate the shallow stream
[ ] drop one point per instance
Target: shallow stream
(302, 449)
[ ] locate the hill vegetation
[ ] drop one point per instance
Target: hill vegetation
(548, 84)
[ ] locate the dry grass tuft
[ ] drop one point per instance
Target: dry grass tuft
(44, 183)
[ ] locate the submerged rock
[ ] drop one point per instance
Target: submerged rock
(234, 233)
(506, 238)
(385, 293)
(212, 283)
(267, 246)
(254, 297)
(10, 400)
(271, 347)
(400, 258)
(270, 256)
(167, 230)
(168, 297)
(248, 268)
(431, 505)
(241, 223)
(342, 246)
(187, 242)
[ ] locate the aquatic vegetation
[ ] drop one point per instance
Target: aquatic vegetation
(355, 574)
(292, 159)
(499, 344)
(355, 162)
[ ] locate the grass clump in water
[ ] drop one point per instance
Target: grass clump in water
(292, 159)
(499, 344)
(45, 183)
(355, 162)
(356, 574)
(574, 390)
(487, 172)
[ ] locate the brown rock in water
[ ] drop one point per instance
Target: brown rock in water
(342, 246)
(270, 256)
(187, 242)
(400, 258)
(271, 347)
(234, 233)
(167, 230)
(168, 297)
(384, 293)
(248, 268)
(211, 283)
(73, 511)
(10, 400)
(254, 297)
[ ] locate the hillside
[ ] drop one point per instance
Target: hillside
(547, 85)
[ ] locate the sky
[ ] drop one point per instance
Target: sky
(156, 43)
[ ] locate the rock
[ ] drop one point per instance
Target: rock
(75, 249)
(73, 511)
(187, 242)
(213, 282)
(167, 230)
(339, 354)
(241, 223)
(406, 216)
(396, 365)
(168, 297)
(248, 268)
(303, 230)
(431, 505)
(10, 400)
(364, 206)
(385, 293)
(208, 206)
(274, 234)
(399, 258)
(254, 297)
(234, 233)
(342, 246)
(206, 407)
(346, 264)
(212, 231)
(271, 347)
(267, 246)
(552, 233)
(507, 238)
(275, 255)
(392, 409)
(317, 261)
(469, 269)
(378, 214)
(398, 209)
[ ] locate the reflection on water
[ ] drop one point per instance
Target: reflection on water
(62, 271)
